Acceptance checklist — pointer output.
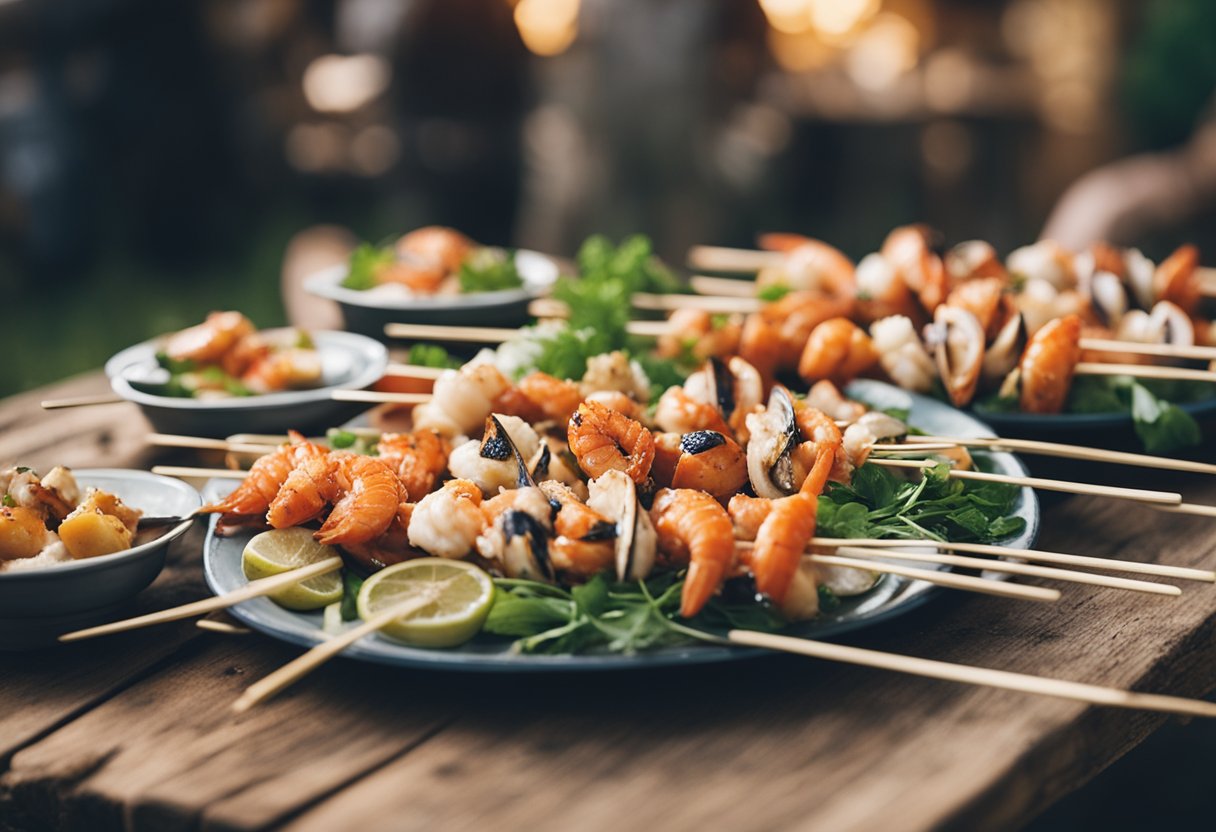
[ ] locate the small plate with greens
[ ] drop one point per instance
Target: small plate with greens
(491, 287)
(168, 392)
(1163, 417)
(603, 625)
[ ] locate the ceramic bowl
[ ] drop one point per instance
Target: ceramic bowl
(38, 604)
(349, 361)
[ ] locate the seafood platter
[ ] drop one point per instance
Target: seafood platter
(599, 491)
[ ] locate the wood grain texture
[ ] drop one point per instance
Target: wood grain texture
(134, 731)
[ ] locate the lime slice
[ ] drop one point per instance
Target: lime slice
(460, 599)
(279, 550)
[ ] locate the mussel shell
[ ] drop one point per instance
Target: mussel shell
(1004, 352)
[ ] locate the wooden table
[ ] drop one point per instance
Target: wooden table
(134, 731)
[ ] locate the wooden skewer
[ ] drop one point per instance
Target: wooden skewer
(1034, 446)
(1089, 368)
(412, 370)
(896, 448)
(709, 303)
(722, 286)
(176, 441)
(81, 401)
(1165, 571)
(1138, 494)
(326, 650)
(951, 580)
(1029, 569)
(253, 589)
(1190, 508)
(430, 332)
(380, 398)
(742, 260)
(548, 308)
(969, 674)
(1163, 350)
(205, 473)
(222, 627)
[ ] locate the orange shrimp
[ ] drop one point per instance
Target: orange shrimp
(838, 350)
(748, 514)
(678, 412)
(446, 247)
(712, 462)
(207, 342)
(910, 248)
(418, 458)
(266, 476)
(366, 496)
(822, 439)
(555, 398)
(693, 528)
(983, 298)
(304, 493)
(1047, 365)
(666, 457)
(584, 541)
(603, 439)
(700, 334)
(616, 400)
(812, 264)
(781, 541)
(417, 273)
(1176, 279)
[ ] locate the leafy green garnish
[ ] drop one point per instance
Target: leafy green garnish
(489, 270)
(341, 439)
(828, 600)
(774, 292)
(613, 617)
(366, 261)
(938, 507)
(9, 502)
(1161, 425)
(351, 584)
(431, 355)
(173, 365)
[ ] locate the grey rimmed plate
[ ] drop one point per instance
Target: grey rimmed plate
(348, 361)
(367, 312)
(891, 597)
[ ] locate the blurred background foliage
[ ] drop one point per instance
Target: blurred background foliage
(156, 159)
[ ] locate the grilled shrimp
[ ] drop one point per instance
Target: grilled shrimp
(838, 350)
(678, 412)
(266, 477)
(603, 439)
(584, 541)
(694, 529)
(822, 440)
(446, 523)
(207, 342)
(781, 541)
(1176, 279)
(827, 397)
(463, 398)
(910, 249)
(697, 333)
(616, 400)
(881, 291)
(747, 514)
(490, 462)
(444, 247)
(541, 397)
(1048, 363)
(304, 493)
(711, 462)
(809, 265)
(902, 354)
(773, 337)
(419, 458)
(366, 496)
(615, 371)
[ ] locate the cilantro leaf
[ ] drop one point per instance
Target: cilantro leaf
(489, 270)
(366, 261)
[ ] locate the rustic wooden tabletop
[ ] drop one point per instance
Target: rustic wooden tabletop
(134, 731)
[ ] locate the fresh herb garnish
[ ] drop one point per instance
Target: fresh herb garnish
(366, 261)
(351, 584)
(341, 439)
(9, 502)
(431, 355)
(173, 365)
(774, 292)
(489, 270)
(613, 617)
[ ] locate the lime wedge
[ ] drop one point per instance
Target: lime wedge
(279, 550)
(461, 596)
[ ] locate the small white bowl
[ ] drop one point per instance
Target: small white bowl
(348, 361)
(38, 604)
(367, 311)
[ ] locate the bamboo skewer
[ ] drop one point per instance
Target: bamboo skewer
(740, 260)
(1089, 368)
(1190, 508)
(1162, 350)
(1034, 446)
(708, 303)
(80, 401)
(968, 674)
(204, 473)
(1138, 494)
(253, 589)
(222, 627)
(172, 440)
(326, 650)
(722, 286)
(412, 370)
(1028, 569)
(951, 580)
(1185, 573)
